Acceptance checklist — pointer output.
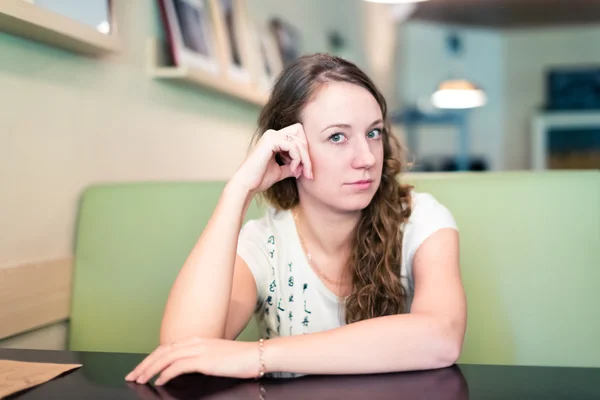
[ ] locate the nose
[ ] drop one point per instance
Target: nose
(363, 155)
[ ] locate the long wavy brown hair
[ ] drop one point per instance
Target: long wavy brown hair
(376, 258)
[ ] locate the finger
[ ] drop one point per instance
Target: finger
(299, 171)
(303, 149)
(157, 354)
(301, 135)
(297, 134)
(296, 158)
(167, 359)
(179, 367)
(285, 141)
(293, 130)
(133, 375)
(292, 148)
(287, 172)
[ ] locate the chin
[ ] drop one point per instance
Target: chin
(355, 202)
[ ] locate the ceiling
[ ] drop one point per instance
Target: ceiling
(510, 13)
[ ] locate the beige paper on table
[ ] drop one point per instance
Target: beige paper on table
(18, 375)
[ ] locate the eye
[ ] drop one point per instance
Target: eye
(337, 138)
(374, 134)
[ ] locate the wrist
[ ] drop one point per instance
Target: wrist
(271, 347)
(238, 186)
(262, 368)
(237, 191)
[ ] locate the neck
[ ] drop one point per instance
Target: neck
(327, 232)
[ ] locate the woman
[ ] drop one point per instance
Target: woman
(348, 272)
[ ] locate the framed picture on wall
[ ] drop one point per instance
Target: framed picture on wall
(232, 14)
(288, 39)
(269, 63)
(190, 29)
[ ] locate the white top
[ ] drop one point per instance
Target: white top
(292, 299)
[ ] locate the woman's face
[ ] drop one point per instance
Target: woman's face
(344, 130)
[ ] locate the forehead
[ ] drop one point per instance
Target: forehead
(341, 102)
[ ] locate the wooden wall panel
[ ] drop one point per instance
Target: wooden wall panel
(34, 295)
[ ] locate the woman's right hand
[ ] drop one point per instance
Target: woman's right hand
(261, 170)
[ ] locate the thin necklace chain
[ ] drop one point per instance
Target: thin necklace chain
(312, 264)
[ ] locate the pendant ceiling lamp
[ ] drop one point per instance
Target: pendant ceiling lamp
(457, 93)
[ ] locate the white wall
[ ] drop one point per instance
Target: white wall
(427, 62)
(528, 54)
(315, 19)
(70, 121)
(509, 65)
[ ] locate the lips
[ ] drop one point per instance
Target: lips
(362, 182)
(361, 185)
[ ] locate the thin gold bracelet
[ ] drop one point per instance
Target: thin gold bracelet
(261, 351)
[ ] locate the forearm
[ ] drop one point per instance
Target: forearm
(386, 344)
(198, 302)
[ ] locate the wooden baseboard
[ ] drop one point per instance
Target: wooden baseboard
(51, 337)
(34, 295)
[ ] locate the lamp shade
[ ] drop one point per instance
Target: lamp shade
(458, 93)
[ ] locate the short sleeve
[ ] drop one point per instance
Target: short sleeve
(427, 217)
(252, 247)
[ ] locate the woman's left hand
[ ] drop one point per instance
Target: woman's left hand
(218, 357)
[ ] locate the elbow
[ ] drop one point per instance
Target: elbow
(448, 354)
(450, 346)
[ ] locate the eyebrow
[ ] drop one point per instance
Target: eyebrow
(345, 126)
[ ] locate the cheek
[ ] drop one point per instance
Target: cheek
(327, 164)
(379, 156)
(377, 150)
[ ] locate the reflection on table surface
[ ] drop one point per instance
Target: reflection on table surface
(102, 376)
(443, 384)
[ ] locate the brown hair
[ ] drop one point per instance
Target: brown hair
(377, 249)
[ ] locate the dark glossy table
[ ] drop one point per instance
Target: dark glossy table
(102, 377)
